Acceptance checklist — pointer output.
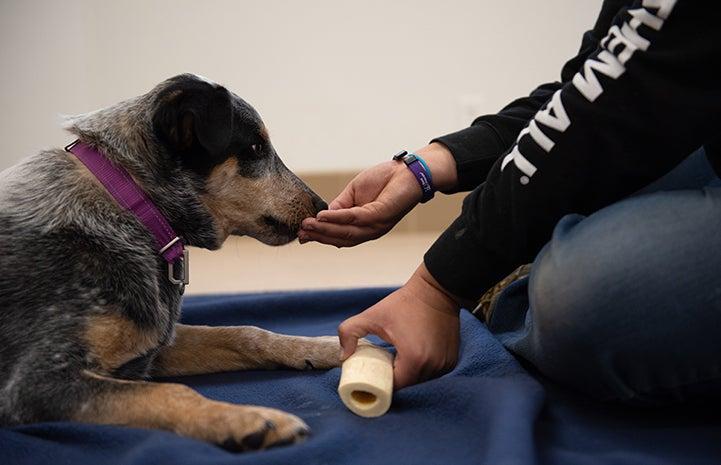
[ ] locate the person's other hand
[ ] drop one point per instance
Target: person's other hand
(420, 319)
(375, 200)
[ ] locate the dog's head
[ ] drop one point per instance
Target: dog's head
(222, 141)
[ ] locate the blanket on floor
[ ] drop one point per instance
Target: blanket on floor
(488, 410)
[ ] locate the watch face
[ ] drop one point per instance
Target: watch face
(409, 158)
(400, 155)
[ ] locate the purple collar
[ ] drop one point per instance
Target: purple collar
(132, 197)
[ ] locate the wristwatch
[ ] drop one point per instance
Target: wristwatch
(420, 170)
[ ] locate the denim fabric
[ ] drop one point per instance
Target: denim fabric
(625, 304)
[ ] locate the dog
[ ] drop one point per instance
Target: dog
(88, 315)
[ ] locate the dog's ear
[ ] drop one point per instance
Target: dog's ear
(195, 120)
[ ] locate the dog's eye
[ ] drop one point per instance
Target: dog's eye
(257, 149)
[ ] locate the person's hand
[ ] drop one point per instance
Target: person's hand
(375, 200)
(420, 319)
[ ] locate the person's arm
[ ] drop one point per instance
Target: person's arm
(604, 138)
(643, 101)
(380, 196)
(475, 149)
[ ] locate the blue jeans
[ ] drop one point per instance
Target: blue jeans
(625, 304)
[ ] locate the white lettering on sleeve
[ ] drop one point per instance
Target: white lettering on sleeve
(664, 6)
(642, 16)
(525, 166)
(617, 48)
(559, 120)
(587, 83)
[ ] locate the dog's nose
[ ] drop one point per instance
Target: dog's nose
(319, 204)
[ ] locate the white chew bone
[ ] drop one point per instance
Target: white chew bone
(366, 381)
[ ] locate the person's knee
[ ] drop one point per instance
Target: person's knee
(564, 285)
(571, 321)
(562, 303)
(611, 309)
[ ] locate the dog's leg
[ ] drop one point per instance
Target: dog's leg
(206, 349)
(177, 408)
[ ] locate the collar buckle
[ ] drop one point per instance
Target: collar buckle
(183, 280)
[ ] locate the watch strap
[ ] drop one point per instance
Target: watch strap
(420, 170)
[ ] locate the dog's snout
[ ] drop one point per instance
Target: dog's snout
(319, 204)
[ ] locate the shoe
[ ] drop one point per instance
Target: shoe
(487, 303)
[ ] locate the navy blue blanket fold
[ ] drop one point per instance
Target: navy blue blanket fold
(488, 410)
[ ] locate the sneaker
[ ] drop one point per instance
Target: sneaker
(487, 303)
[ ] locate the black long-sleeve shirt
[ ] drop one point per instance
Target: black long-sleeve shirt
(641, 95)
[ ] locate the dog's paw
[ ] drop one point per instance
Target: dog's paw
(327, 353)
(315, 353)
(318, 353)
(254, 428)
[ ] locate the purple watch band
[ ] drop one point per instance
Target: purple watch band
(418, 169)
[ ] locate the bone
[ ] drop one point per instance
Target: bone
(366, 381)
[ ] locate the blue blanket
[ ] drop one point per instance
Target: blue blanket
(490, 409)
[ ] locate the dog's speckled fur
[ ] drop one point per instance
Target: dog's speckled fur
(86, 309)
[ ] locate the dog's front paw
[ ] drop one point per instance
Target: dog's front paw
(324, 352)
(253, 428)
(312, 353)
(318, 353)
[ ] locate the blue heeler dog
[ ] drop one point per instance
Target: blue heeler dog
(87, 311)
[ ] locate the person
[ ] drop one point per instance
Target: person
(623, 300)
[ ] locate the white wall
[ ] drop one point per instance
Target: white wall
(340, 84)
